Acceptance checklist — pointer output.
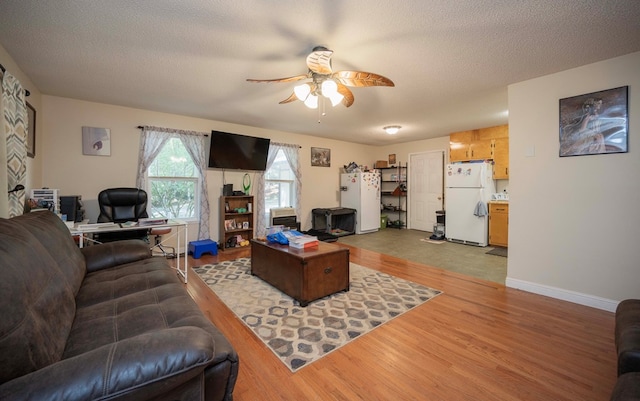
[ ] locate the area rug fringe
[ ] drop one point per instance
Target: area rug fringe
(299, 335)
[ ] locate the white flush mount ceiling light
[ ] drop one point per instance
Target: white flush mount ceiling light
(392, 129)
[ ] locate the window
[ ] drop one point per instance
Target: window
(173, 183)
(279, 185)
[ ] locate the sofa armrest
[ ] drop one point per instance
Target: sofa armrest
(137, 368)
(102, 256)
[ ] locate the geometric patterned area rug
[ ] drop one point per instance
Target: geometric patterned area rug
(299, 335)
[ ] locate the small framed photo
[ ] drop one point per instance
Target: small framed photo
(31, 131)
(96, 141)
(229, 225)
(392, 159)
(321, 157)
(594, 123)
(245, 225)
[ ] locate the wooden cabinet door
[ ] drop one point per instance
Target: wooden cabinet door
(481, 149)
(501, 159)
(499, 224)
(459, 146)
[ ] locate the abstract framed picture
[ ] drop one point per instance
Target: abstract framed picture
(321, 157)
(31, 131)
(96, 141)
(595, 123)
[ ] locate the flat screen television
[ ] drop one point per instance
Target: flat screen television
(238, 152)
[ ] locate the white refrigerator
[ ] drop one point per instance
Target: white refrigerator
(468, 189)
(361, 191)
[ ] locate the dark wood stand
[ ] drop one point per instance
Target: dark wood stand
(303, 274)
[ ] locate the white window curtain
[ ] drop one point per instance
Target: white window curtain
(13, 145)
(151, 143)
(292, 154)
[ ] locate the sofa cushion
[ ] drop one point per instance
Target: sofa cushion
(36, 316)
(128, 301)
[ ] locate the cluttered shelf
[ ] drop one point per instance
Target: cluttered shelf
(393, 195)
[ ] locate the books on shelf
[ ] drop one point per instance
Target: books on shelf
(303, 241)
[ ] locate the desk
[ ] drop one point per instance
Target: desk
(83, 230)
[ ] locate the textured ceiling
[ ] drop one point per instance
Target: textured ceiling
(451, 61)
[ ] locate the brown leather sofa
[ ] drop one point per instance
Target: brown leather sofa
(627, 340)
(103, 322)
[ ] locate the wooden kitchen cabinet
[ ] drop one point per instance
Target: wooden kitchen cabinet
(501, 159)
(499, 224)
(482, 144)
(481, 149)
(459, 145)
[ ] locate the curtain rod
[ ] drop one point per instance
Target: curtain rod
(26, 92)
(142, 127)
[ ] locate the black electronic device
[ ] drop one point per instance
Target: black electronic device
(227, 189)
(238, 152)
(71, 206)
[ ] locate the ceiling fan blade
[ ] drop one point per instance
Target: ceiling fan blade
(290, 99)
(288, 79)
(348, 95)
(361, 78)
(319, 61)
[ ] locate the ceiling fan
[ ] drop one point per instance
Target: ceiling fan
(323, 81)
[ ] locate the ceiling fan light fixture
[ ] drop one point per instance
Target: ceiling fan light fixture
(311, 102)
(336, 98)
(302, 91)
(329, 88)
(392, 129)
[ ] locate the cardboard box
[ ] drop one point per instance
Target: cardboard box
(381, 164)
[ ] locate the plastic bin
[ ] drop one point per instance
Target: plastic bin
(383, 220)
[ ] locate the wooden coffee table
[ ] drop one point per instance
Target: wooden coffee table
(303, 274)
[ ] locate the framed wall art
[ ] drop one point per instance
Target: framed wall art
(31, 131)
(594, 123)
(321, 157)
(96, 141)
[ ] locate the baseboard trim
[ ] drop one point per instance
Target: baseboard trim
(562, 294)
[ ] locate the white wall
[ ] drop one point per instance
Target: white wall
(574, 223)
(73, 173)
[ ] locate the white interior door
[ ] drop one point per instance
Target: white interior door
(425, 188)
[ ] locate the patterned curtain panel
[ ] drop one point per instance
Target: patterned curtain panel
(14, 112)
(292, 154)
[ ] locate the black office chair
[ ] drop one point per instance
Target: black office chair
(120, 205)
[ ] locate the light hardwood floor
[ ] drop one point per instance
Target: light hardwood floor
(477, 341)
